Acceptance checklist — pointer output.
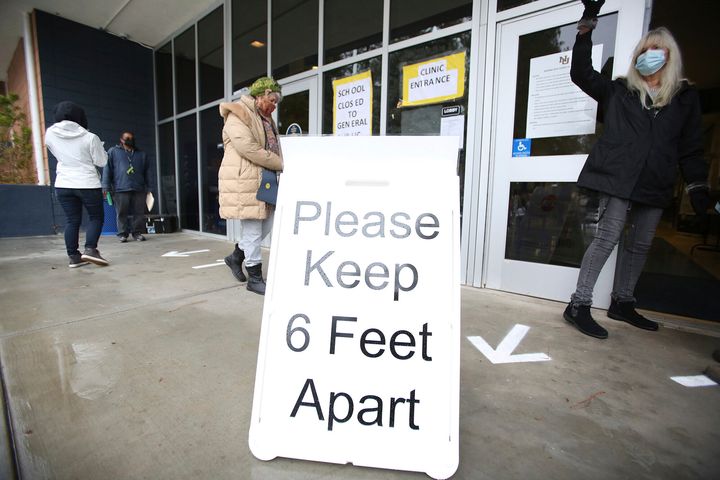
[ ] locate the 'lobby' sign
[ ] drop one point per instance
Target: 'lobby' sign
(359, 350)
(352, 105)
(434, 81)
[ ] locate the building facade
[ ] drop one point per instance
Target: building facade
(522, 216)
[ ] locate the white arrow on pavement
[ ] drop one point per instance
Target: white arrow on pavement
(175, 253)
(208, 265)
(503, 352)
(694, 381)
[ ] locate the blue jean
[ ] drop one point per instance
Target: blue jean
(72, 200)
(614, 213)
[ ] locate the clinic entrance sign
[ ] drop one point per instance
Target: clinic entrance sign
(359, 353)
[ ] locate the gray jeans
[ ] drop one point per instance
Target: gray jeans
(635, 243)
(253, 232)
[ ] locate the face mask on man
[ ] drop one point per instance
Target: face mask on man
(129, 142)
(650, 62)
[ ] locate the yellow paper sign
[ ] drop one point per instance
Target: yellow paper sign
(434, 81)
(352, 105)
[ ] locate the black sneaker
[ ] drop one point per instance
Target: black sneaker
(138, 237)
(625, 312)
(123, 238)
(93, 256)
(76, 261)
(579, 315)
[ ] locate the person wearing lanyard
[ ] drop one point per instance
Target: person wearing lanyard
(126, 177)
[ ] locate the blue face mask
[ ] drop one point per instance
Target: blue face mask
(650, 62)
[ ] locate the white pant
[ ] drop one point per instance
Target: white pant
(253, 233)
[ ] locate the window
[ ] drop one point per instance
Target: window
(188, 172)
(249, 42)
(349, 30)
(294, 36)
(550, 222)
(211, 56)
(546, 42)
(185, 70)
(508, 4)
(166, 148)
(211, 154)
(427, 119)
(374, 65)
(163, 80)
(409, 18)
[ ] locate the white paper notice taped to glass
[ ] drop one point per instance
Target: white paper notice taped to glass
(359, 352)
(556, 106)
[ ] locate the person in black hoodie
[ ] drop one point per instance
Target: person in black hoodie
(652, 126)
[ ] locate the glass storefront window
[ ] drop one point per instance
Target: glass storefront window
(294, 36)
(188, 172)
(163, 80)
(166, 148)
(211, 56)
(185, 70)
(374, 65)
(550, 222)
(508, 4)
(349, 30)
(427, 119)
(211, 153)
(550, 41)
(410, 18)
(249, 42)
(294, 109)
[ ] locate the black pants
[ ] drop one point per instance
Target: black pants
(72, 201)
(130, 204)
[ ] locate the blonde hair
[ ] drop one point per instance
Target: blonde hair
(671, 75)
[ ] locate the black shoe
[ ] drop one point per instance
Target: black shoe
(76, 261)
(579, 315)
(234, 261)
(93, 256)
(255, 282)
(138, 237)
(123, 238)
(625, 312)
(716, 355)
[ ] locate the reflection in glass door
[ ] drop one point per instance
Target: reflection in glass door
(297, 113)
(540, 221)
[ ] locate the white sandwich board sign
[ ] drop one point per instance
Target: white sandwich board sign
(359, 354)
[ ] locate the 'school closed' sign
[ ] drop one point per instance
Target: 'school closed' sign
(359, 350)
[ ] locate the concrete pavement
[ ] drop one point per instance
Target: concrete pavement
(145, 370)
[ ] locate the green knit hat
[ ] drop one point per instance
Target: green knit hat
(262, 84)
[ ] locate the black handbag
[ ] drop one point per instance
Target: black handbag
(268, 187)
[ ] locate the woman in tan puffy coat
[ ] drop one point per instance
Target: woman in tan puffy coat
(251, 145)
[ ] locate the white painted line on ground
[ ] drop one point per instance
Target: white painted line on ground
(208, 265)
(694, 381)
(175, 253)
(503, 352)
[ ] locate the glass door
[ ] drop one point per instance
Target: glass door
(540, 222)
(297, 113)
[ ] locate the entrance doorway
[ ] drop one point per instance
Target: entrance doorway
(297, 114)
(540, 222)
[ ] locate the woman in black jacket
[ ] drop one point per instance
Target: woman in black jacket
(652, 126)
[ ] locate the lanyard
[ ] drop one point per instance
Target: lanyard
(130, 156)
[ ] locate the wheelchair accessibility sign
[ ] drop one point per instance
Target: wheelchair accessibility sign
(521, 147)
